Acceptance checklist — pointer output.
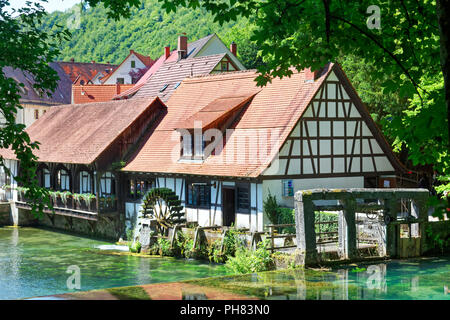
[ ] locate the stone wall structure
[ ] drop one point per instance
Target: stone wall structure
(349, 203)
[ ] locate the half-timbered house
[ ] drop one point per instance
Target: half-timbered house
(225, 144)
(222, 143)
(81, 148)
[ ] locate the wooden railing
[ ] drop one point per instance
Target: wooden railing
(273, 234)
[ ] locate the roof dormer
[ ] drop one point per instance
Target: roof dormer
(202, 133)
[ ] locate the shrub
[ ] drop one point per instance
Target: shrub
(135, 247)
(286, 216)
(164, 247)
(248, 261)
(326, 217)
(271, 208)
(214, 252)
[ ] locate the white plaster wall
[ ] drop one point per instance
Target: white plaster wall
(124, 69)
(216, 46)
(275, 187)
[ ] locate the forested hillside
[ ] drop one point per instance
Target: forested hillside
(148, 30)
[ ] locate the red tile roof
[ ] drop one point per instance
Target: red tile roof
(215, 111)
(261, 130)
(84, 71)
(97, 92)
(81, 133)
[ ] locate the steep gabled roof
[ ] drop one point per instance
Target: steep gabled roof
(192, 50)
(81, 133)
(84, 71)
(170, 74)
(147, 61)
(62, 94)
(256, 136)
(274, 110)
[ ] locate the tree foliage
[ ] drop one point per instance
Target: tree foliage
(147, 30)
(402, 43)
(23, 46)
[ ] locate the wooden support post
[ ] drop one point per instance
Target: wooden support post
(305, 232)
(350, 228)
(422, 207)
(272, 239)
(222, 243)
(174, 235)
(196, 235)
(392, 233)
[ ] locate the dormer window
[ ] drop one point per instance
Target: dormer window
(202, 133)
(192, 145)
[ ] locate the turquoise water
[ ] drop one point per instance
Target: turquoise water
(34, 262)
(424, 279)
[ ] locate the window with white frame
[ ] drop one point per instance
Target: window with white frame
(63, 180)
(85, 182)
(107, 185)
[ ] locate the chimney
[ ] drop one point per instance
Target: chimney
(72, 60)
(311, 76)
(166, 52)
(92, 61)
(233, 48)
(182, 47)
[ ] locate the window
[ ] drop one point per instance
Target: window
(45, 178)
(63, 180)
(133, 64)
(85, 182)
(137, 188)
(164, 88)
(199, 145)
(198, 195)
(243, 198)
(5, 178)
(186, 145)
(36, 114)
(107, 185)
(288, 188)
(177, 85)
(224, 66)
(120, 81)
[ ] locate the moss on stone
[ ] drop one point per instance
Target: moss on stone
(129, 293)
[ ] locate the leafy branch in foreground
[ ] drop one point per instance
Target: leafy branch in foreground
(23, 46)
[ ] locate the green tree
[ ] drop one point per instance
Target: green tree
(406, 40)
(23, 46)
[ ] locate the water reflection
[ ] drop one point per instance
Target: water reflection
(422, 279)
(34, 262)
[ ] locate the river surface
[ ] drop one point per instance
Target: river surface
(34, 262)
(414, 279)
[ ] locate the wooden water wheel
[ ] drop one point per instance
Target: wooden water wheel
(163, 205)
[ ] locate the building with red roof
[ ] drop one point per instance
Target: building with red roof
(220, 142)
